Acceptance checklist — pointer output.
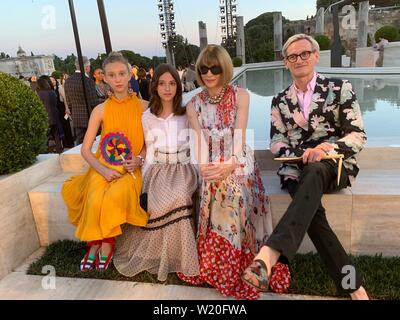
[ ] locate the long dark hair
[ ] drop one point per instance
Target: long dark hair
(44, 83)
(155, 101)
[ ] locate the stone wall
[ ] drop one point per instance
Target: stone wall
(376, 20)
(19, 236)
(28, 66)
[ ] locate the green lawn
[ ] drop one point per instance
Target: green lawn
(309, 276)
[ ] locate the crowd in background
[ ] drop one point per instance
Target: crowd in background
(61, 95)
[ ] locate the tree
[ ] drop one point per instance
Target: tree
(136, 59)
(323, 41)
(185, 53)
(98, 62)
(230, 46)
(57, 74)
(390, 33)
(23, 125)
(237, 62)
(155, 61)
(66, 65)
(259, 34)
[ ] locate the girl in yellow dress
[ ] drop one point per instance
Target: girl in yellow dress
(108, 194)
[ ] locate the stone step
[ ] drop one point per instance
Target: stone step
(19, 286)
(72, 161)
(50, 211)
(17, 226)
(365, 217)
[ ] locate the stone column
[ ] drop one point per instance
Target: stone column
(203, 35)
(336, 48)
(320, 21)
(240, 41)
(363, 24)
(278, 34)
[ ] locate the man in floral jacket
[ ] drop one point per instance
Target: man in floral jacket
(314, 117)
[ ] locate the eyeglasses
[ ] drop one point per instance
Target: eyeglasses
(215, 70)
(305, 55)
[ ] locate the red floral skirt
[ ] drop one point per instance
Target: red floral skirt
(221, 266)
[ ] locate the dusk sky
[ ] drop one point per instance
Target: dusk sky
(44, 26)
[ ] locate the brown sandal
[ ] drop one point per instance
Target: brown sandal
(256, 275)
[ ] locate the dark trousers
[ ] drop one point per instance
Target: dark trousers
(80, 134)
(306, 214)
(53, 134)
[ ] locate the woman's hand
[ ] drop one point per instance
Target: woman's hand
(215, 172)
(110, 174)
(131, 165)
(68, 112)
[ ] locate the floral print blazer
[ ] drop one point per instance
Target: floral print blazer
(335, 122)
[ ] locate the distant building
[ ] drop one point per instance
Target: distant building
(27, 66)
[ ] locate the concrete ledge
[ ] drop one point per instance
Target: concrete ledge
(337, 205)
(375, 224)
(385, 158)
(364, 217)
(391, 54)
(50, 211)
(17, 226)
(18, 286)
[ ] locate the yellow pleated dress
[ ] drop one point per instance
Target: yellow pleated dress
(97, 207)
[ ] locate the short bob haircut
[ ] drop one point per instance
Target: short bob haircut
(215, 55)
(297, 37)
(155, 101)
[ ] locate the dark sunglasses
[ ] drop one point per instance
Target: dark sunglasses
(215, 70)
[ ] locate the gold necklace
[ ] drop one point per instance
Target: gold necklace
(217, 98)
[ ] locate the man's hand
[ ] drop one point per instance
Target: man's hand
(312, 155)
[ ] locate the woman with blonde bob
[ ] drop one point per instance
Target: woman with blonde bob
(233, 205)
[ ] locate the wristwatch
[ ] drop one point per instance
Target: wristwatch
(141, 160)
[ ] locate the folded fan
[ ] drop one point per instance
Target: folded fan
(326, 157)
(115, 147)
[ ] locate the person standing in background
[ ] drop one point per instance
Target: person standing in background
(76, 99)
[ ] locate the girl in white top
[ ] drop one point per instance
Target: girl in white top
(167, 244)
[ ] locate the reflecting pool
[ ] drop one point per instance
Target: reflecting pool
(378, 95)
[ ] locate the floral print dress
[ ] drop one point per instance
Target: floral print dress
(233, 215)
